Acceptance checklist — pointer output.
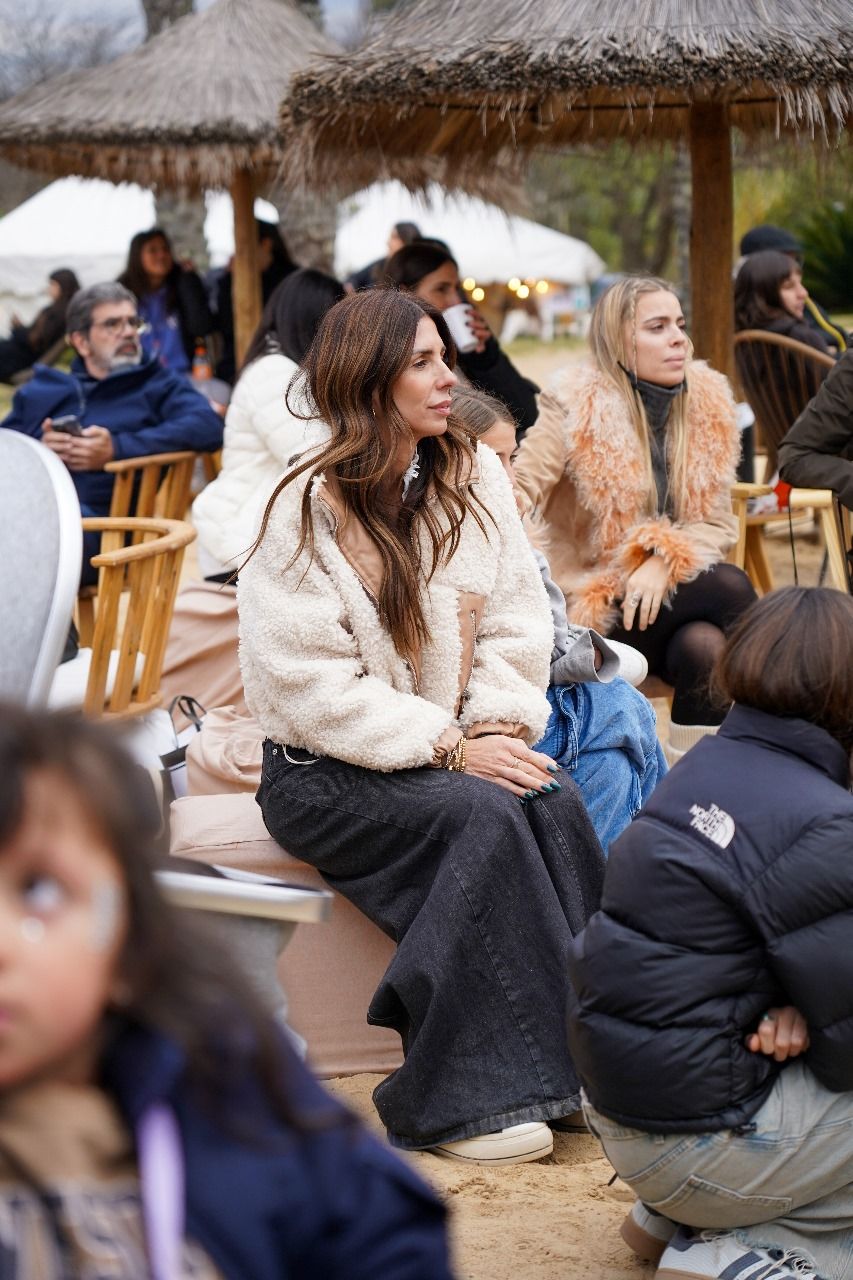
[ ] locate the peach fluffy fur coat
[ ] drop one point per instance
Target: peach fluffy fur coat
(582, 475)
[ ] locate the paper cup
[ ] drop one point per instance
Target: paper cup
(457, 319)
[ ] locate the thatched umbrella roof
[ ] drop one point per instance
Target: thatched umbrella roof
(476, 82)
(187, 109)
(468, 81)
(194, 107)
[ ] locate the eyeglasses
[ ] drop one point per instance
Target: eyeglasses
(116, 324)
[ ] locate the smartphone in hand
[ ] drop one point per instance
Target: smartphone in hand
(69, 423)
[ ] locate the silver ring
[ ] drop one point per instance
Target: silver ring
(635, 599)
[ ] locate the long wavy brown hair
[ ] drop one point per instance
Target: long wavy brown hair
(363, 345)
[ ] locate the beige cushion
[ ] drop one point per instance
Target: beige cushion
(68, 691)
(329, 971)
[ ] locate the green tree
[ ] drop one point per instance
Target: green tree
(620, 199)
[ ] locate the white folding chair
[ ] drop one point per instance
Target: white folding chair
(41, 542)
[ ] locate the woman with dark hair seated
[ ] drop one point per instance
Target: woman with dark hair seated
(713, 1022)
(171, 298)
(770, 294)
(428, 269)
(395, 639)
(27, 342)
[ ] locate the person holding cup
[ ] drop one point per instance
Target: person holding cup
(428, 269)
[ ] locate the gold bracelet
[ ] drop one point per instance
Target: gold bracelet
(456, 758)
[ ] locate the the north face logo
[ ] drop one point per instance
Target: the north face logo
(714, 823)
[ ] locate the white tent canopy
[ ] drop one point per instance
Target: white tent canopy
(87, 225)
(488, 245)
(78, 223)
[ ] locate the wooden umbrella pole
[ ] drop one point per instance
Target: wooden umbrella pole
(711, 234)
(246, 282)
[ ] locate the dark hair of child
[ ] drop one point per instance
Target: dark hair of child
(791, 655)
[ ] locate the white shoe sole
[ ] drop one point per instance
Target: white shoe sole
(504, 1148)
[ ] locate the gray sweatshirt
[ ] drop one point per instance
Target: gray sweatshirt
(573, 655)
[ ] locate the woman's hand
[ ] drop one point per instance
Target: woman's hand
(479, 328)
(644, 593)
(781, 1034)
(511, 764)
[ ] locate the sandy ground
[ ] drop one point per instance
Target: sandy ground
(554, 1219)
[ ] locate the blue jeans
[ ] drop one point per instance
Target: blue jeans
(605, 735)
(782, 1182)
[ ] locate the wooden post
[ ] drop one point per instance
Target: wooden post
(711, 234)
(246, 282)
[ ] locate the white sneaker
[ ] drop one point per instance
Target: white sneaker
(646, 1232)
(689, 1257)
(632, 664)
(515, 1145)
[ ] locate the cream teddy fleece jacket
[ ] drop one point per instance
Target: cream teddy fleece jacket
(320, 672)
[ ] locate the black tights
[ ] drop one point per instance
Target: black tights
(686, 639)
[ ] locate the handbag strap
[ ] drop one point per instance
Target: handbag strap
(161, 1176)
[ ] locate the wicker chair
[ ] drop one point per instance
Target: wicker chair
(778, 376)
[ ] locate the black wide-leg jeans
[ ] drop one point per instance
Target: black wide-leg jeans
(482, 896)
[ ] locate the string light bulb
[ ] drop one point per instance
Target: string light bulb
(478, 294)
(514, 284)
(542, 286)
(523, 291)
(469, 283)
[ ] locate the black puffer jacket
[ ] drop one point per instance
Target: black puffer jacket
(731, 892)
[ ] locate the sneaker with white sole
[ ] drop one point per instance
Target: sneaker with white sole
(516, 1145)
(633, 666)
(646, 1232)
(722, 1257)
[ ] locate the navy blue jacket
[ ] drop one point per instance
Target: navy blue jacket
(327, 1204)
(732, 891)
(146, 409)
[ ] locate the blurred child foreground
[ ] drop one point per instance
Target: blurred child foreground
(153, 1121)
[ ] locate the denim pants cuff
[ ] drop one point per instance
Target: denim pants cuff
(542, 1111)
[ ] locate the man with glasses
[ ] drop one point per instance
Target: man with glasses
(126, 407)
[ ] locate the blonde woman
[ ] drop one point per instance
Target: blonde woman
(627, 473)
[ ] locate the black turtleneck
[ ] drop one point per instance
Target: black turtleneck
(657, 402)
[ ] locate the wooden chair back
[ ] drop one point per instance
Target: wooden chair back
(778, 376)
(157, 485)
(748, 552)
(133, 609)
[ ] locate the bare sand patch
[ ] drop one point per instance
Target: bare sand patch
(555, 1219)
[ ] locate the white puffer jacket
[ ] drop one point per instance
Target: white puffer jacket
(261, 439)
(320, 671)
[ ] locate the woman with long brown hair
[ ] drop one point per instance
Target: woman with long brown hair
(395, 644)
